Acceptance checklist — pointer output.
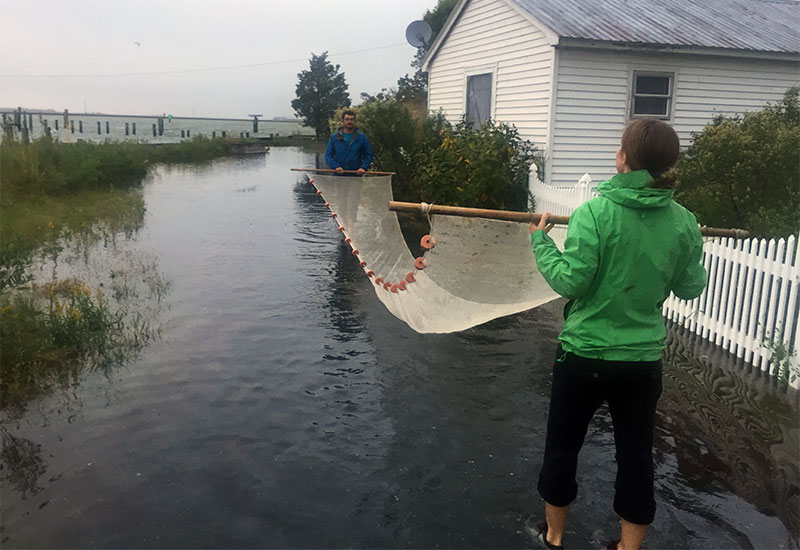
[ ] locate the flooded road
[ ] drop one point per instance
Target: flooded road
(284, 407)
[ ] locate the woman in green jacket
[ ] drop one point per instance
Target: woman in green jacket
(625, 251)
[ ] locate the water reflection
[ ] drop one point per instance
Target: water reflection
(22, 463)
(99, 300)
(474, 404)
(285, 407)
(739, 432)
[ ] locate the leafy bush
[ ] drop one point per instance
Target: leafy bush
(485, 168)
(744, 171)
(437, 162)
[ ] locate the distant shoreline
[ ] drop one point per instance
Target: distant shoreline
(51, 112)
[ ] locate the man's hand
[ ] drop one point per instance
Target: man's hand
(360, 171)
(542, 225)
(340, 170)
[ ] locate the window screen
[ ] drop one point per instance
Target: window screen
(479, 98)
(652, 94)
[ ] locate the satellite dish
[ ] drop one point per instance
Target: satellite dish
(418, 33)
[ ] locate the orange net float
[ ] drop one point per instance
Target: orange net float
(341, 228)
(333, 214)
(362, 264)
(393, 288)
(370, 273)
(427, 242)
(410, 277)
(420, 263)
(401, 285)
(327, 204)
(355, 252)
(378, 281)
(387, 286)
(347, 240)
(319, 192)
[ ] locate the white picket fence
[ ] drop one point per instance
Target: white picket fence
(751, 303)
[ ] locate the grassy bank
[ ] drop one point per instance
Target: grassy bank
(49, 167)
(52, 194)
(51, 191)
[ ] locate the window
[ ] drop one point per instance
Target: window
(479, 99)
(652, 95)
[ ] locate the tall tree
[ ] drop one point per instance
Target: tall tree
(320, 91)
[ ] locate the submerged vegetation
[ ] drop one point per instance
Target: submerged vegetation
(52, 332)
(54, 196)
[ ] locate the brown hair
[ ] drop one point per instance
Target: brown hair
(651, 144)
(348, 112)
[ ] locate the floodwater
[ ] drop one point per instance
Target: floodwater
(284, 407)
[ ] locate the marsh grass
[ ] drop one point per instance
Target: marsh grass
(43, 224)
(53, 332)
(56, 199)
(52, 191)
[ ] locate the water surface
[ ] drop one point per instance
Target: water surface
(284, 407)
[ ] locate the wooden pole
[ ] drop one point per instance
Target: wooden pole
(526, 217)
(505, 215)
(329, 171)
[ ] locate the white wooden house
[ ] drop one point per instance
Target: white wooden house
(570, 73)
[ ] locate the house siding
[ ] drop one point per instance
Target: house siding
(592, 101)
(493, 35)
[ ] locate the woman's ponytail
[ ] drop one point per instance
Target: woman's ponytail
(653, 145)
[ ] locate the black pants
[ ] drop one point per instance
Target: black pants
(580, 386)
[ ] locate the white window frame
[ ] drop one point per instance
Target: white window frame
(475, 71)
(671, 75)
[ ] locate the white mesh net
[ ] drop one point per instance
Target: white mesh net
(478, 270)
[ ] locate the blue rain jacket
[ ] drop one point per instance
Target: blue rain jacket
(357, 154)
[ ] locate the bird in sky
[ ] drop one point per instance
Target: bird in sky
(137, 43)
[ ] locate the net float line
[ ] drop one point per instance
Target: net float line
(330, 171)
(525, 217)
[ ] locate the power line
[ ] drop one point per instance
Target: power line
(184, 71)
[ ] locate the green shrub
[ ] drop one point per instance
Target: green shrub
(440, 163)
(484, 168)
(744, 171)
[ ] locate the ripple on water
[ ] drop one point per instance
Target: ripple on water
(285, 407)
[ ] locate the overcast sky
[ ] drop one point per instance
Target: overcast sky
(202, 45)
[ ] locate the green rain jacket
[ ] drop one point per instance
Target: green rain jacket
(624, 252)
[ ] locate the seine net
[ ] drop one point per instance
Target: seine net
(478, 270)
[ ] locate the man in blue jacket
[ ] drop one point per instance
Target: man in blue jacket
(348, 149)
